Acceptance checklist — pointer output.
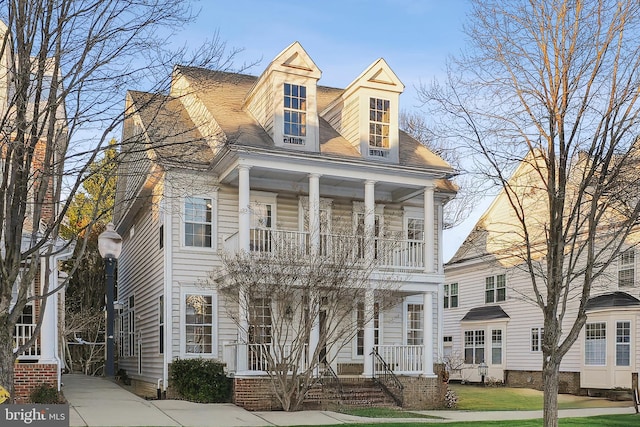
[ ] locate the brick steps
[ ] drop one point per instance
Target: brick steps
(355, 393)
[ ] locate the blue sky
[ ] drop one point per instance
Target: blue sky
(344, 38)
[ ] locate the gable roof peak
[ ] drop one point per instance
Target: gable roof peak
(295, 60)
(378, 75)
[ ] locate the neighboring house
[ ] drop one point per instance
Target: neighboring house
(226, 159)
(43, 361)
(490, 314)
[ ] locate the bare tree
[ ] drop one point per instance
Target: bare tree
(64, 68)
(294, 298)
(457, 210)
(553, 85)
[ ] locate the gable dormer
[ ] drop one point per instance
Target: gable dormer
(283, 100)
(367, 112)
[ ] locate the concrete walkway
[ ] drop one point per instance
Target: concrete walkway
(95, 401)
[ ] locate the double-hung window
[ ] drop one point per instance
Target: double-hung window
(623, 343)
(414, 324)
(536, 339)
(496, 347)
(626, 268)
(198, 322)
(495, 289)
(451, 295)
(295, 114)
(595, 349)
(474, 347)
(198, 222)
(379, 120)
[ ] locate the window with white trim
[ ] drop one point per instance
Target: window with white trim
(263, 218)
(198, 222)
(451, 295)
(379, 120)
(496, 347)
(495, 289)
(595, 348)
(359, 232)
(361, 322)
(623, 343)
(295, 114)
(627, 268)
(198, 321)
(536, 339)
(415, 325)
(474, 347)
(128, 329)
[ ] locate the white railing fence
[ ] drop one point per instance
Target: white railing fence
(402, 358)
(261, 357)
(22, 334)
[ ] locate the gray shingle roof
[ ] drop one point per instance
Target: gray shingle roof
(612, 300)
(491, 312)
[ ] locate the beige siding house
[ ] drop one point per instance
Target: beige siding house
(490, 314)
(225, 162)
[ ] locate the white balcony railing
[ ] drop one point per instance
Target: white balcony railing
(22, 334)
(390, 253)
(402, 358)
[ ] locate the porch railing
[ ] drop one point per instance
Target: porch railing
(402, 358)
(390, 253)
(264, 357)
(22, 334)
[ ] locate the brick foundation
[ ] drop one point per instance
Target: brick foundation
(569, 382)
(28, 376)
(424, 393)
(255, 394)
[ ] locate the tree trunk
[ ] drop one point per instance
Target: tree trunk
(550, 376)
(7, 357)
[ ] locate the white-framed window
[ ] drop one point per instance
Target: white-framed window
(627, 268)
(495, 289)
(474, 347)
(198, 222)
(198, 323)
(379, 121)
(263, 220)
(295, 114)
(414, 326)
(623, 343)
(358, 226)
(127, 346)
(496, 347)
(451, 295)
(447, 342)
(415, 229)
(161, 324)
(595, 348)
(360, 324)
(536, 339)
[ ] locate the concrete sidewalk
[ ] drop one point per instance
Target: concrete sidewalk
(95, 401)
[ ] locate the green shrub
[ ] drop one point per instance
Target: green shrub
(45, 394)
(200, 380)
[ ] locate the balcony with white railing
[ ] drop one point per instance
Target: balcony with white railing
(24, 332)
(391, 254)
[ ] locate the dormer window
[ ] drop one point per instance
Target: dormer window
(378, 127)
(295, 114)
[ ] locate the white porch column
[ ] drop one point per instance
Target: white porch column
(244, 223)
(48, 330)
(369, 333)
(244, 213)
(427, 322)
(314, 213)
(429, 234)
(369, 220)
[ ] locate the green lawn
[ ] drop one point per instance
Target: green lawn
(601, 421)
(475, 398)
(383, 413)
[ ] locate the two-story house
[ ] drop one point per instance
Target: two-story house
(490, 313)
(225, 162)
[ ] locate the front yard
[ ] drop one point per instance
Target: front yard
(477, 398)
